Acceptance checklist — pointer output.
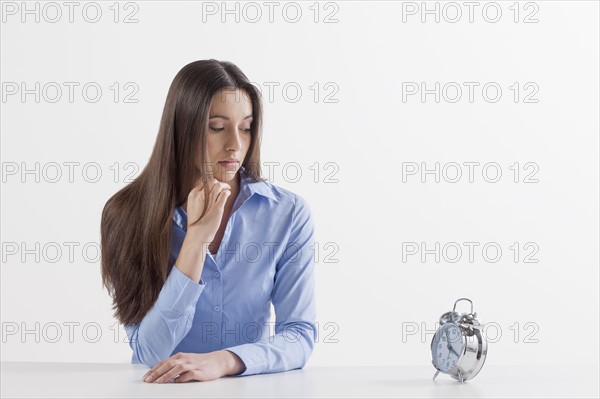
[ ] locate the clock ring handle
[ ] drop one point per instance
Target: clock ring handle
(463, 299)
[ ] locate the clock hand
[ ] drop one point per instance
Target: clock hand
(448, 346)
(448, 341)
(452, 350)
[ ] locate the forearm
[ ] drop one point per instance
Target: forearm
(168, 321)
(192, 254)
(286, 350)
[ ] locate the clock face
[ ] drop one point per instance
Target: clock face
(447, 347)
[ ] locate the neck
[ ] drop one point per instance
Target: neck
(235, 190)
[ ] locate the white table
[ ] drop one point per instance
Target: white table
(26, 379)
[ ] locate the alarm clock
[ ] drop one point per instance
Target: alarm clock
(459, 347)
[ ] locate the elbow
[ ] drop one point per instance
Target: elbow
(306, 354)
(143, 354)
(310, 348)
(307, 341)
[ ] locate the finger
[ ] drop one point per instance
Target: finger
(216, 190)
(222, 198)
(172, 373)
(162, 369)
(153, 369)
(217, 183)
(211, 182)
(187, 376)
(221, 186)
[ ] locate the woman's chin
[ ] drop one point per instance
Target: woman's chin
(227, 176)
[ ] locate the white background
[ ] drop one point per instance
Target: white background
(546, 312)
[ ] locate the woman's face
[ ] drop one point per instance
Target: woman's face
(228, 134)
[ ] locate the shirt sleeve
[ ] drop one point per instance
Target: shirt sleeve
(293, 298)
(167, 322)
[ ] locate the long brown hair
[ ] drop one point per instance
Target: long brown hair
(136, 222)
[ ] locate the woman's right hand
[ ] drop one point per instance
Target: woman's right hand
(210, 222)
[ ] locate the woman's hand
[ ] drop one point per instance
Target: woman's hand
(195, 367)
(210, 222)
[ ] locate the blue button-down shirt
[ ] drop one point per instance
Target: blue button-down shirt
(265, 256)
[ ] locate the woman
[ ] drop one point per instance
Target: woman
(198, 247)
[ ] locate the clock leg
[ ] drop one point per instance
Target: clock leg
(436, 374)
(460, 377)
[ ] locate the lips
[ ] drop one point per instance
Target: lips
(229, 164)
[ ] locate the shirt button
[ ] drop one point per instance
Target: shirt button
(217, 274)
(215, 339)
(217, 308)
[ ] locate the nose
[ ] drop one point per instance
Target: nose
(234, 143)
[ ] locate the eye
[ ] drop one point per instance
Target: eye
(222, 128)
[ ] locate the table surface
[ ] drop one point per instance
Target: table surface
(30, 379)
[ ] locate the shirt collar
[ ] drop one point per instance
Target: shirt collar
(248, 187)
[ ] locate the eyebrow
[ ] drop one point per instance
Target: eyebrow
(225, 117)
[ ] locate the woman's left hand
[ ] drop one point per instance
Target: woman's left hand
(184, 367)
